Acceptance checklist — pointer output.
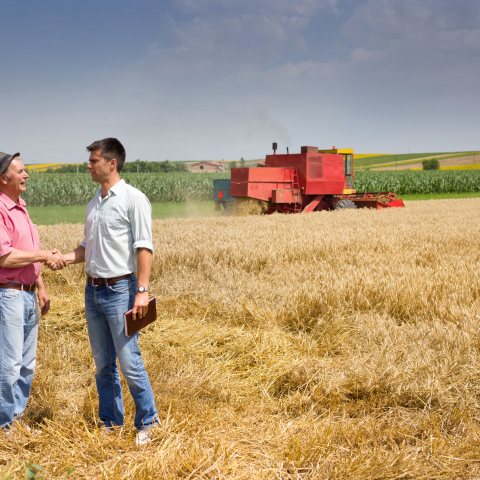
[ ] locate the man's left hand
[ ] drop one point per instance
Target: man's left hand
(140, 306)
(43, 300)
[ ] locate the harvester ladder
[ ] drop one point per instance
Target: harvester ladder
(297, 205)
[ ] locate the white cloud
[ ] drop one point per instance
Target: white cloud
(242, 36)
(383, 20)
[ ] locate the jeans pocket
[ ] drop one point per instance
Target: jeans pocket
(9, 294)
(122, 286)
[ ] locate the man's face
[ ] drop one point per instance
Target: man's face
(100, 170)
(16, 184)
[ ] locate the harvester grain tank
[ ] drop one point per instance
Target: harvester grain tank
(308, 181)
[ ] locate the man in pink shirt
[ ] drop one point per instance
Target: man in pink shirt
(20, 264)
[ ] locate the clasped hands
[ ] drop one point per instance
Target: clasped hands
(55, 260)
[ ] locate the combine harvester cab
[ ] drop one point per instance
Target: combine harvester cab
(311, 180)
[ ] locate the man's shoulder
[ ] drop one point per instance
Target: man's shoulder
(95, 198)
(3, 213)
(3, 208)
(134, 195)
(132, 191)
(93, 202)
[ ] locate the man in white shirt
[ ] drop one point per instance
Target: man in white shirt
(117, 243)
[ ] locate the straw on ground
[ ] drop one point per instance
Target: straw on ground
(330, 345)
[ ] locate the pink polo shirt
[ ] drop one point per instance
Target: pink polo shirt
(17, 232)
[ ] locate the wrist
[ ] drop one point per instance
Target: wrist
(142, 289)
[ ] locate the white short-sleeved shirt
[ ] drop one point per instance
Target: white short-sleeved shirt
(115, 228)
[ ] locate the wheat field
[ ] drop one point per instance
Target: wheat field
(333, 345)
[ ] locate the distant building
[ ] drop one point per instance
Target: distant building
(206, 167)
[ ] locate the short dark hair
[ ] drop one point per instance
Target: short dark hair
(111, 148)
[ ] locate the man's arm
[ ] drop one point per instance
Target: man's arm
(43, 298)
(77, 256)
(144, 262)
(21, 258)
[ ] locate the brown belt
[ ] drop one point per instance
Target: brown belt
(102, 282)
(19, 286)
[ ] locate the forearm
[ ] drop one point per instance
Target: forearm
(43, 298)
(40, 283)
(21, 258)
(144, 262)
(77, 256)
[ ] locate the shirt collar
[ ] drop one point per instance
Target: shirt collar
(115, 189)
(9, 203)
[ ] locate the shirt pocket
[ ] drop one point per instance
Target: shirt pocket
(113, 225)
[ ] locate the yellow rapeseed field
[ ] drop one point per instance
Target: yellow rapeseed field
(333, 345)
(475, 166)
(40, 167)
(363, 155)
(43, 167)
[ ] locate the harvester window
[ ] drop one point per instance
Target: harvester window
(348, 164)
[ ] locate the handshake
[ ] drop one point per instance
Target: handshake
(55, 260)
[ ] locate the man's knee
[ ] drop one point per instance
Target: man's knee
(106, 367)
(9, 377)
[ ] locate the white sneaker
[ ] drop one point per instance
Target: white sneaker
(144, 437)
(109, 432)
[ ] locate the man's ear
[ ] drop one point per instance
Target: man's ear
(3, 179)
(114, 163)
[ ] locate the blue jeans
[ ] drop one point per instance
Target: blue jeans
(104, 309)
(18, 350)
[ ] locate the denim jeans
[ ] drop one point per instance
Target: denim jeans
(18, 350)
(104, 309)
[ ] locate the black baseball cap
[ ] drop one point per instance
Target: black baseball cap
(5, 160)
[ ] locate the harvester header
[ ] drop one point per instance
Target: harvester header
(301, 182)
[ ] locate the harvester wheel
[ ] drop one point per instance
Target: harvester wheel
(344, 203)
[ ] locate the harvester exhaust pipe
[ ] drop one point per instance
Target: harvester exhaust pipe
(274, 146)
(287, 150)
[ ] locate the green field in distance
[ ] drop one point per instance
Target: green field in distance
(76, 214)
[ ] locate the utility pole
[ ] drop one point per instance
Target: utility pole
(34, 166)
(77, 167)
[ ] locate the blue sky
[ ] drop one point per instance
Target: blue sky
(223, 79)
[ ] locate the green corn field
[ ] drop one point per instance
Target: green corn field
(415, 182)
(78, 189)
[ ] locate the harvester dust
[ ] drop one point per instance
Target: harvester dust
(244, 206)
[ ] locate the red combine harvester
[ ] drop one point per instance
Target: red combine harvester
(304, 182)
